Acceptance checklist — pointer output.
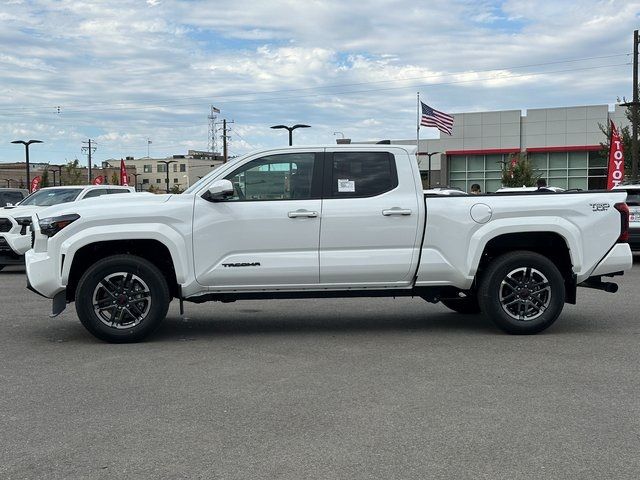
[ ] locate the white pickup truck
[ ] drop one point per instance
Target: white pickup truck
(15, 220)
(335, 221)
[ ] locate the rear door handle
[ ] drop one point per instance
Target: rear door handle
(302, 213)
(396, 211)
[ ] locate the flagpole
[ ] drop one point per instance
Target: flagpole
(418, 130)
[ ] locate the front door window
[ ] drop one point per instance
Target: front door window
(276, 177)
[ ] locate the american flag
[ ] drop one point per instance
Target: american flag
(433, 118)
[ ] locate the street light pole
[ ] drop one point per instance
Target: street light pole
(59, 167)
(135, 181)
(429, 166)
(26, 153)
(167, 163)
(291, 129)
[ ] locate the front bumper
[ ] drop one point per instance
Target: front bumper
(7, 255)
(43, 273)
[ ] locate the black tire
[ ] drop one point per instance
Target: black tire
(120, 285)
(466, 305)
(522, 292)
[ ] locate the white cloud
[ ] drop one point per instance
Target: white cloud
(126, 70)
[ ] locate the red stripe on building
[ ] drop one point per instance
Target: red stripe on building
(498, 151)
(568, 148)
(484, 151)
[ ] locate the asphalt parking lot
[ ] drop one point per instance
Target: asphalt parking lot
(322, 389)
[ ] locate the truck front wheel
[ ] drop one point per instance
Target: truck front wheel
(122, 298)
(522, 292)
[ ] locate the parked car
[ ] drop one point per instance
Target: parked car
(633, 201)
(11, 196)
(338, 221)
(15, 221)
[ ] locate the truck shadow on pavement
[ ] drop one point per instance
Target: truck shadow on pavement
(269, 324)
(442, 324)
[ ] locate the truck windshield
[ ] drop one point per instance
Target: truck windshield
(204, 180)
(46, 197)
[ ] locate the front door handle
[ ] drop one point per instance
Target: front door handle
(302, 213)
(396, 211)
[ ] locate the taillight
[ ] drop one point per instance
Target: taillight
(623, 208)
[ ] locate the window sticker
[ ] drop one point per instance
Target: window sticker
(346, 185)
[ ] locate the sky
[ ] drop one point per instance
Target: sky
(128, 72)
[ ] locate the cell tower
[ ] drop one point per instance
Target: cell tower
(213, 116)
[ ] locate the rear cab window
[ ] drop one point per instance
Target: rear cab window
(98, 192)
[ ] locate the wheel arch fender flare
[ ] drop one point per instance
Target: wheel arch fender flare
(563, 228)
(178, 248)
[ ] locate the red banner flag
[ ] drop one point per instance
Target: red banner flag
(123, 174)
(35, 184)
(616, 159)
(98, 180)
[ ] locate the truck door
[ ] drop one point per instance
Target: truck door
(370, 218)
(267, 234)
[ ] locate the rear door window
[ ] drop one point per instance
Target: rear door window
(361, 174)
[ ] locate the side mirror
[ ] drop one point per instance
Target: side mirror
(220, 190)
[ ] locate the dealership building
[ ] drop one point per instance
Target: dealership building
(562, 143)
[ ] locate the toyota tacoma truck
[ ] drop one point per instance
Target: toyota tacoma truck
(338, 221)
(15, 220)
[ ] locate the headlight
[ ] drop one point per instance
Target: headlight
(24, 222)
(52, 225)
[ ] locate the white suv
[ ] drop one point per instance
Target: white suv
(15, 236)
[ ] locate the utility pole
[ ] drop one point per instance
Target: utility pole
(225, 137)
(89, 149)
(634, 111)
(224, 140)
(635, 119)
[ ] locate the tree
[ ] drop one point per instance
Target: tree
(114, 179)
(176, 189)
(625, 135)
(517, 171)
(153, 189)
(44, 178)
(73, 173)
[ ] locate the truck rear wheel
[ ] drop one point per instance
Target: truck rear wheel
(522, 292)
(122, 298)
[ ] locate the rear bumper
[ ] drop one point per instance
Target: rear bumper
(42, 274)
(619, 259)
